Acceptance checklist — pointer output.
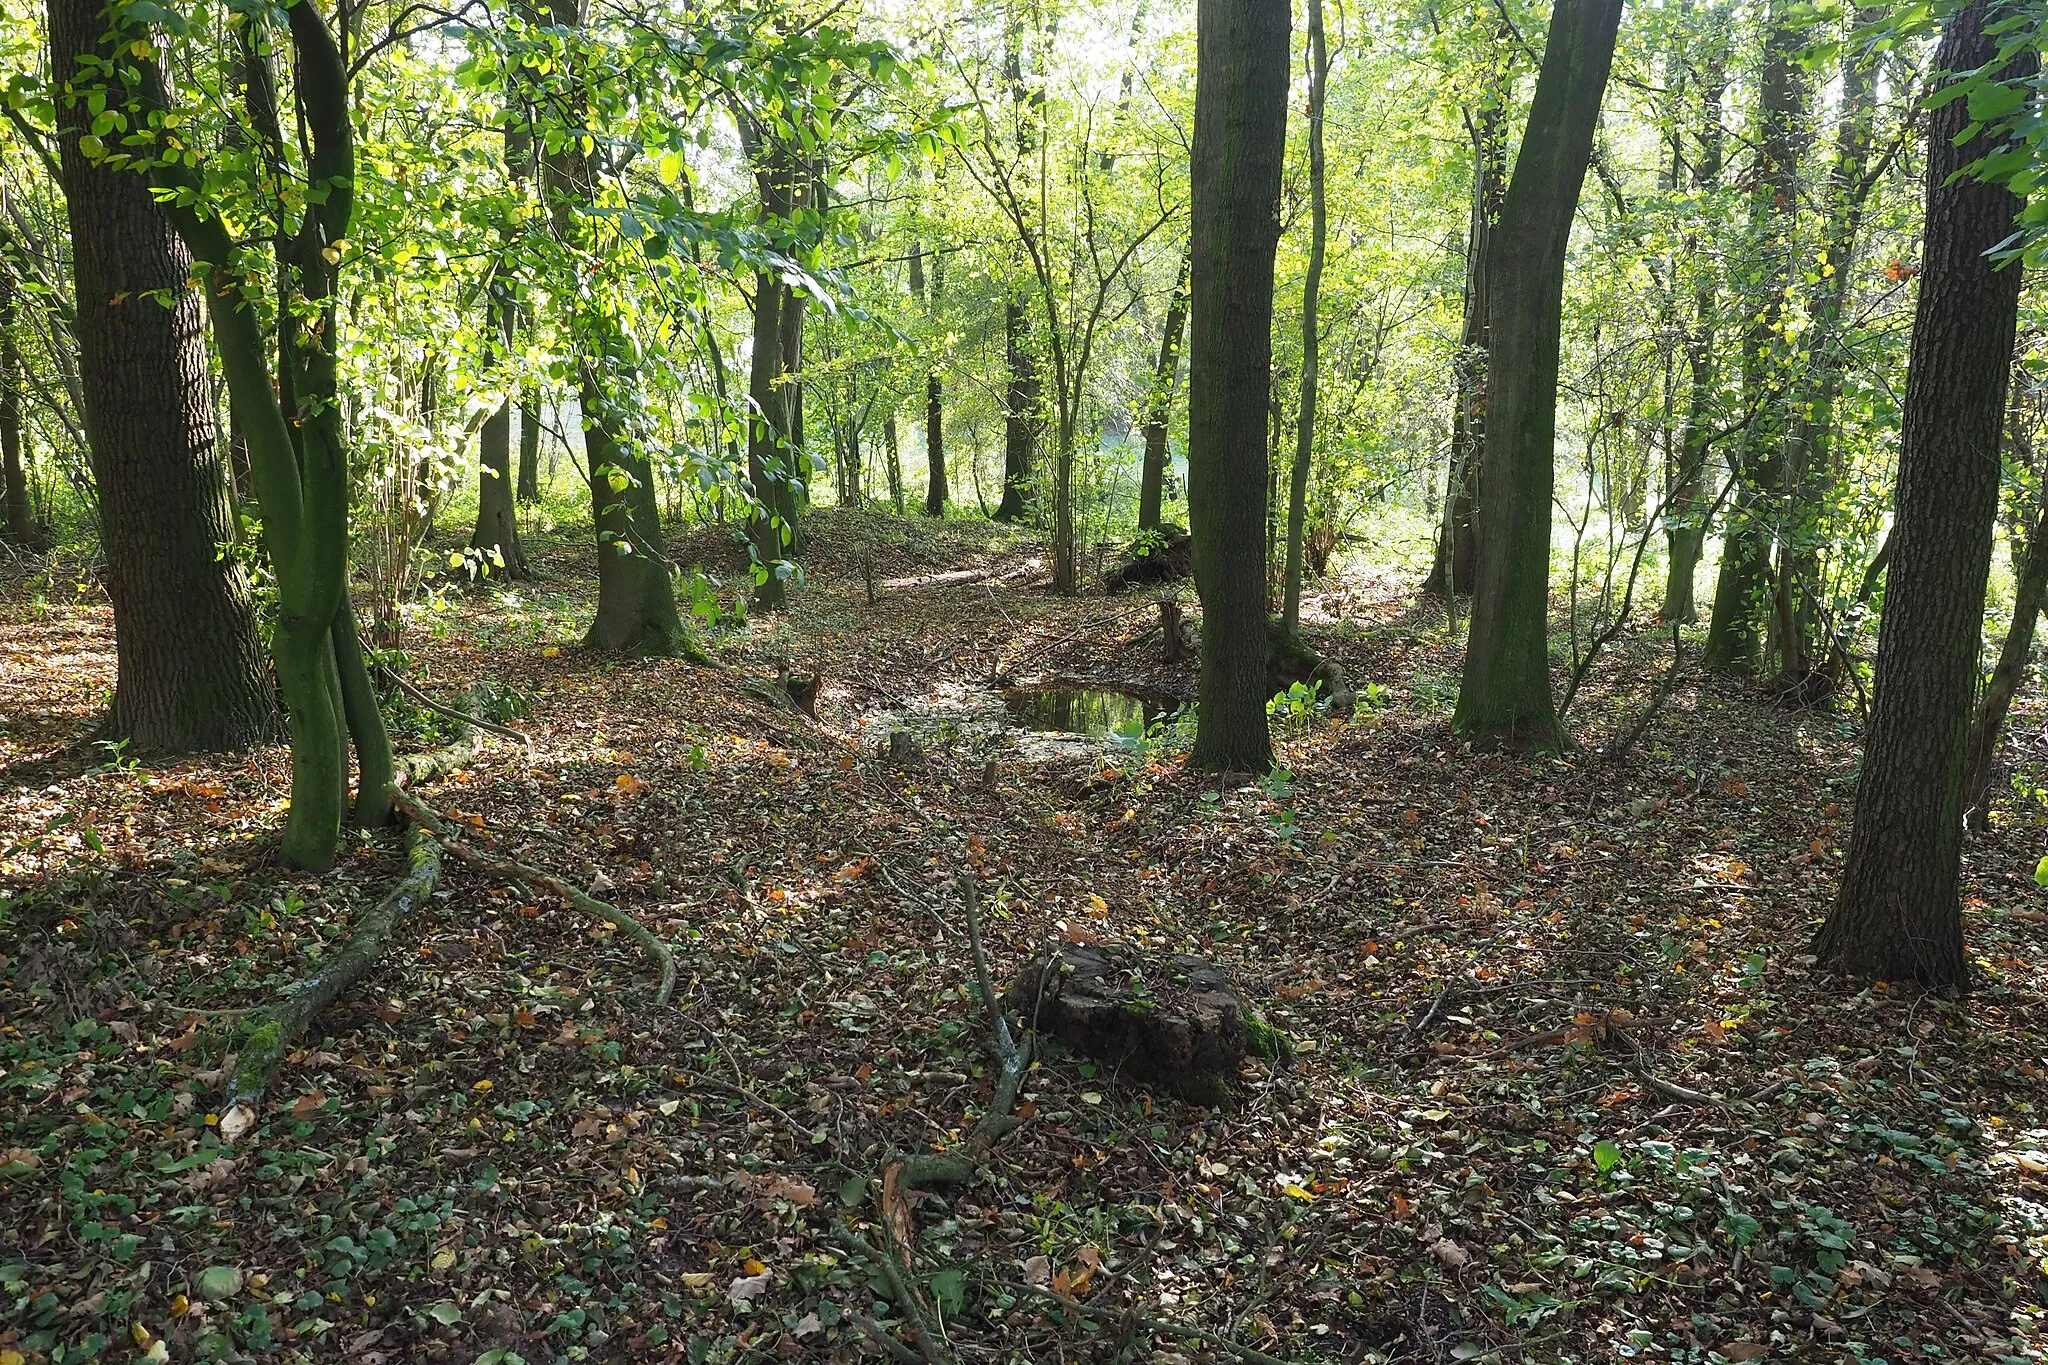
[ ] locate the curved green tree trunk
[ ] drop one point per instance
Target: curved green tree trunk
(1159, 411)
(1504, 697)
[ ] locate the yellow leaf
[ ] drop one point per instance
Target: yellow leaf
(454, 559)
(550, 652)
(444, 1258)
(12, 1358)
(143, 1336)
(1296, 1192)
(481, 1085)
(754, 1267)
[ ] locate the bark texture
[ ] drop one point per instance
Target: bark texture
(1239, 145)
(1505, 694)
(191, 673)
(1899, 915)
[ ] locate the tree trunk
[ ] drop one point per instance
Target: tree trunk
(934, 447)
(497, 526)
(2030, 594)
(21, 522)
(1804, 672)
(1159, 411)
(1020, 414)
(1685, 532)
(1899, 913)
(895, 466)
(1305, 421)
(529, 444)
(1456, 563)
(1240, 142)
(1732, 637)
(636, 608)
(771, 528)
(191, 673)
(1504, 697)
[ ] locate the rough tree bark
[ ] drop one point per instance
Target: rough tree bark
(1504, 697)
(1159, 411)
(1899, 915)
(1239, 145)
(190, 665)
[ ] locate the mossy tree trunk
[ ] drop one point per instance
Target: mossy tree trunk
(298, 464)
(1898, 915)
(1505, 697)
(1239, 145)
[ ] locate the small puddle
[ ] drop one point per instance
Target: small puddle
(1079, 710)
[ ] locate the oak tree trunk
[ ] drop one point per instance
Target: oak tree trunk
(1239, 144)
(191, 673)
(1899, 913)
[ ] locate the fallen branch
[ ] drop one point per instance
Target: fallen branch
(1678, 1092)
(278, 1025)
(509, 869)
(426, 702)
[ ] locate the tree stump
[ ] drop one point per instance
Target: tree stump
(1174, 628)
(1177, 1023)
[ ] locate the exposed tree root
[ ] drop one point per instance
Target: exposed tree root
(278, 1025)
(508, 869)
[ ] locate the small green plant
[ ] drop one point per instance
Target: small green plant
(1373, 698)
(116, 761)
(1294, 708)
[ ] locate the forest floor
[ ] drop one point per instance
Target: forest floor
(1567, 1086)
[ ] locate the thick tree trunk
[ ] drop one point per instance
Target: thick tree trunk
(1456, 563)
(1987, 726)
(1020, 414)
(1239, 145)
(1685, 532)
(1311, 293)
(1740, 590)
(497, 525)
(1504, 697)
(935, 495)
(1159, 411)
(636, 605)
(1899, 913)
(191, 672)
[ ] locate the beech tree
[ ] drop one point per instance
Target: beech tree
(1239, 144)
(1898, 915)
(191, 666)
(1505, 695)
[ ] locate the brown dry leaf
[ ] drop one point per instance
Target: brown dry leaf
(1744, 1350)
(795, 1191)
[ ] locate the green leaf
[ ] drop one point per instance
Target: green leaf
(219, 1283)
(2041, 872)
(447, 1312)
(1994, 101)
(1606, 1155)
(949, 1287)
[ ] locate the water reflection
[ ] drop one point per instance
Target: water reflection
(1079, 710)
